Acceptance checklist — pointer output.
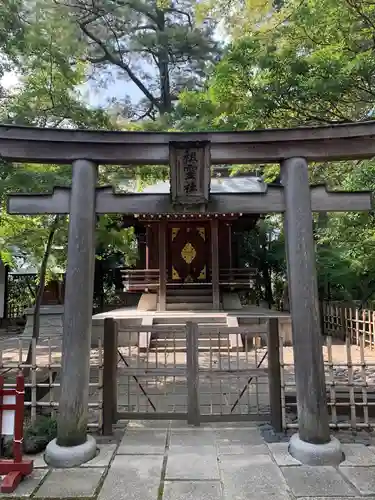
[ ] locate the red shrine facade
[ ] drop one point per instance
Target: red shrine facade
(192, 251)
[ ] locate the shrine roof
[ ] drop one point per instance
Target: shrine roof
(242, 184)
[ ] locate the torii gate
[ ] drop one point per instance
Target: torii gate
(292, 148)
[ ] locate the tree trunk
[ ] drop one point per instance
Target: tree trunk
(321, 223)
(285, 298)
(166, 101)
(40, 291)
(265, 268)
(163, 64)
(268, 296)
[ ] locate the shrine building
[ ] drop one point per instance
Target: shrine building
(191, 260)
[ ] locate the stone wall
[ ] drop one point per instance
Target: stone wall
(50, 321)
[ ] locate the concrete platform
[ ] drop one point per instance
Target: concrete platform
(172, 461)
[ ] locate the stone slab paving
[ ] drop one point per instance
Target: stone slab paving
(172, 461)
(104, 457)
(363, 478)
(316, 481)
(135, 477)
(357, 455)
(198, 442)
(240, 442)
(28, 487)
(190, 490)
(254, 477)
(71, 483)
(192, 466)
(143, 442)
(280, 454)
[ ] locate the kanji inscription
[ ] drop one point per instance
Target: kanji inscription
(190, 173)
(190, 166)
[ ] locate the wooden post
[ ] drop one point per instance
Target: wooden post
(323, 328)
(109, 376)
(215, 264)
(148, 246)
(192, 373)
(343, 322)
(356, 326)
(141, 240)
(76, 345)
(303, 293)
(4, 270)
(230, 258)
(274, 375)
(162, 265)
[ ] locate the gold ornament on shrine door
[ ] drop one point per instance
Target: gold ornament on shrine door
(188, 253)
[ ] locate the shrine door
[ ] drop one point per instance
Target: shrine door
(188, 253)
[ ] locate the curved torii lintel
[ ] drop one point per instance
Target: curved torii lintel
(346, 141)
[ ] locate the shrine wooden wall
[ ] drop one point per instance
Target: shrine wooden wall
(153, 245)
(225, 242)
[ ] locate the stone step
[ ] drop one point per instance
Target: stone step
(198, 291)
(188, 299)
(201, 340)
(189, 306)
(11, 331)
(201, 320)
(178, 334)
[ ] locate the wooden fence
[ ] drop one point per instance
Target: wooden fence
(342, 321)
(349, 365)
(42, 385)
(198, 373)
(349, 359)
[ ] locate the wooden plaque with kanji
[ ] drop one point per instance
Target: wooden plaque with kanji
(190, 173)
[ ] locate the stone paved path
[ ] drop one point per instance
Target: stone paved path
(171, 461)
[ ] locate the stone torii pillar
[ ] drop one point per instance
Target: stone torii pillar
(313, 444)
(73, 446)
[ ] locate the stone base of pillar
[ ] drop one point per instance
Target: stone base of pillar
(70, 456)
(316, 454)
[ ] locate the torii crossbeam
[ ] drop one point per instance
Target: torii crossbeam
(107, 201)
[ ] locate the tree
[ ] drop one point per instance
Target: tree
(262, 248)
(158, 45)
(308, 63)
(41, 285)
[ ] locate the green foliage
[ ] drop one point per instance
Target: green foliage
(36, 436)
(302, 63)
(310, 63)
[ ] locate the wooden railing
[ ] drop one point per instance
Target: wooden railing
(238, 278)
(135, 280)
